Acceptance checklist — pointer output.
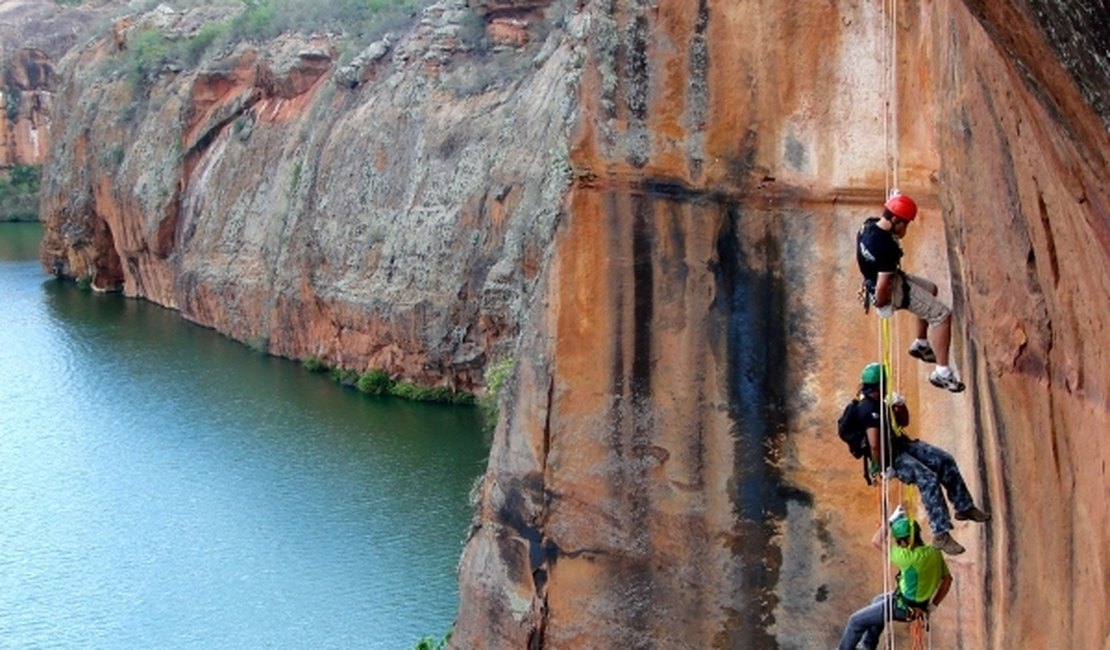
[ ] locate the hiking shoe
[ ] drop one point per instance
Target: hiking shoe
(973, 514)
(944, 543)
(946, 380)
(923, 351)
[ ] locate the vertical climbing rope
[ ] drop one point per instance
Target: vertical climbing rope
(888, 56)
(888, 87)
(892, 93)
(884, 504)
(886, 460)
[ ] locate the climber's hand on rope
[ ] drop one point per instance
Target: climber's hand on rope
(895, 399)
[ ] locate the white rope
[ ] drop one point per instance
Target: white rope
(888, 86)
(893, 90)
(884, 82)
(884, 498)
(889, 89)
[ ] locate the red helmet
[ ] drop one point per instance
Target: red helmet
(902, 207)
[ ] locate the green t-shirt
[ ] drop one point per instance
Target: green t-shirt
(922, 569)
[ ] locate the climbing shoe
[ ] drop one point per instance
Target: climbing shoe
(973, 514)
(945, 544)
(923, 351)
(946, 380)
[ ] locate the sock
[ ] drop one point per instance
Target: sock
(921, 343)
(943, 370)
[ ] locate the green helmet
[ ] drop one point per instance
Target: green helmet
(902, 527)
(872, 373)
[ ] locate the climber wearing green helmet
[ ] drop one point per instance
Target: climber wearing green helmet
(914, 462)
(888, 287)
(923, 582)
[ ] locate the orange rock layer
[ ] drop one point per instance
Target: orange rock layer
(666, 472)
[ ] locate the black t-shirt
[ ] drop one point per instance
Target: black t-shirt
(877, 251)
(867, 414)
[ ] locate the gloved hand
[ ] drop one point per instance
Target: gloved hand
(885, 312)
(895, 399)
(898, 513)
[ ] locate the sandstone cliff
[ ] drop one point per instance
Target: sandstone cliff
(392, 213)
(666, 473)
(652, 205)
(34, 34)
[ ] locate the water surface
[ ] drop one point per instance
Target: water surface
(164, 487)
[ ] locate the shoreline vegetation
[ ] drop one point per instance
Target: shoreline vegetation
(19, 193)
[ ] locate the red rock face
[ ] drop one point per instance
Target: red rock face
(666, 474)
(1027, 220)
(373, 222)
(26, 103)
(34, 34)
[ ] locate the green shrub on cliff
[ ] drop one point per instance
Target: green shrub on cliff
(436, 394)
(431, 643)
(195, 47)
(362, 19)
(496, 375)
(19, 194)
(344, 377)
(13, 97)
(375, 382)
(314, 364)
(379, 383)
(148, 51)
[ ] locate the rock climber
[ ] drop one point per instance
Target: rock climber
(922, 583)
(916, 463)
(879, 256)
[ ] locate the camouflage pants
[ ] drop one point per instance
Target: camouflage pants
(930, 468)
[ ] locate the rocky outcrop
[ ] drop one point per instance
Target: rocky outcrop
(392, 217)
(34, 34)
(651, 206)
(665, 474)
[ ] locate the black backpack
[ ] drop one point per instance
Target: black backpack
(852, 432)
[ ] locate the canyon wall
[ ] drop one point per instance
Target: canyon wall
(390, 213)
(651, 206)
(34, 34)
(666, 473)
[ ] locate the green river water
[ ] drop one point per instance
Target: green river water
(164, 487)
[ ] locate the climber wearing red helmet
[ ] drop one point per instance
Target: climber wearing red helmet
(879, 256)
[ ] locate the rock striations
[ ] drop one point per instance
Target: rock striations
(34, 34)
(651, 205)
(392, 213)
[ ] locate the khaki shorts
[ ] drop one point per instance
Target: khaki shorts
(923, 303)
